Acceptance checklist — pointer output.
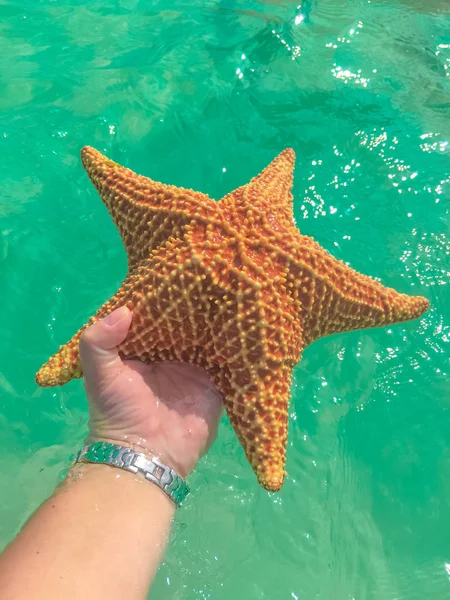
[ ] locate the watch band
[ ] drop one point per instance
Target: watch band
(126, 458)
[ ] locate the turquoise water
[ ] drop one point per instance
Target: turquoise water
(204, 95)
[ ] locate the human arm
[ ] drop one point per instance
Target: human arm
(104, 530)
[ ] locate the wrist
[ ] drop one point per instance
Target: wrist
(117, 486)
(147, 468)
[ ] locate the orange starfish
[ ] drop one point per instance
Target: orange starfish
(231, 286)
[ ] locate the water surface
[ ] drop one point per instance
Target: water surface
(204, 95)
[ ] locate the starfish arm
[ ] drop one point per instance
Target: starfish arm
(333, 298)
(268, 196)
(146, 212)
(173, 309)
(65, 364)
(170, 298)
(255, 341)
(258, 413)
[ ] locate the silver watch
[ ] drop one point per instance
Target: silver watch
(126, 458)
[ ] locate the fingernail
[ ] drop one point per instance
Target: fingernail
(113, 318)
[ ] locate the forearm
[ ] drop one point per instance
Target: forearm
(101, 535)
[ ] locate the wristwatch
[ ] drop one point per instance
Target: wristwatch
(126, 458)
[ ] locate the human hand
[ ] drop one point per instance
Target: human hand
(166, 408)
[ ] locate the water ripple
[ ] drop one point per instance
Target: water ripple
(204, 95)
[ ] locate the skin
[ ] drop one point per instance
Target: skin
(103, 532)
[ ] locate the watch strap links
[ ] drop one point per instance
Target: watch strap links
(126, 458)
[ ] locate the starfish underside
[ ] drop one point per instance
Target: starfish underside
(231, 286)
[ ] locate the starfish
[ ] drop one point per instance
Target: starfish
(231, 286)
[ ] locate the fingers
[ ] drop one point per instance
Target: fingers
(98, 346)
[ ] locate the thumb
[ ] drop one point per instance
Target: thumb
(98, 346)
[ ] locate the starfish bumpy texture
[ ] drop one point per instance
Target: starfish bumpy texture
(231, 286)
